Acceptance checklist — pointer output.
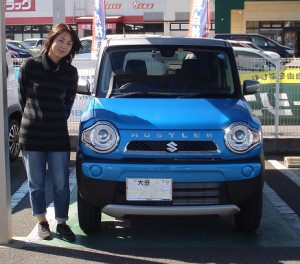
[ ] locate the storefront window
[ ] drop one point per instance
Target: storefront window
(19, 32)
(252, 24)
(144, 28)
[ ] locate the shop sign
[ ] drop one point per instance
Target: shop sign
(138, 5)
(111, 26)
(289, 75)
(19, 5)
(85, 26)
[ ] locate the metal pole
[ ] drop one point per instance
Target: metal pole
(5, 208)
(277, 87)
(58, 12)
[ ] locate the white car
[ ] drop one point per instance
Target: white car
(35, 43)
(248, 44)
(249, 59)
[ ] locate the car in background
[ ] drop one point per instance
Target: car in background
(250, 59)
(23, 45)
(248, 44)
(22, 53)
(35, 42)
(261, 41)
(14, 109)
(85, 51)
(18, 54)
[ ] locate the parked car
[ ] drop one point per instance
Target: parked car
(23, 45)
(35, 42)
(164, 135)
(23, 53)
(14, 110)
(249, 59)
(261, 41)
(248, 44)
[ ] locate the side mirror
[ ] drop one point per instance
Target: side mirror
(251, 87)
(84, 87)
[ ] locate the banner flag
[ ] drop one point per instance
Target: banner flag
(99, 32)
(199, 19)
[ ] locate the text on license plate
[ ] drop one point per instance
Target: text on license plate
(148, 189)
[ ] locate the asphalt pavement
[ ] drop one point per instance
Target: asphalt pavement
(205, 240)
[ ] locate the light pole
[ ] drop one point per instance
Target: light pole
(5, 207)
(58, 12)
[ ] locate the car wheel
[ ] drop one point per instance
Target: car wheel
(89, 216)
(13, 139)
(248, 219)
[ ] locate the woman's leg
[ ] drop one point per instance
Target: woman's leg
(58, 163)
(35, 165)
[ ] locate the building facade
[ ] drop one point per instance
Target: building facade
(33, 18)
(278, 20)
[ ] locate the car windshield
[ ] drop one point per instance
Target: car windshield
(165, 71)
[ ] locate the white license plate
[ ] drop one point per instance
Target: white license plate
(148, 189)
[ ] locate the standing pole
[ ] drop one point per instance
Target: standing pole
(59, 13)
(5, 208)
(99, 27)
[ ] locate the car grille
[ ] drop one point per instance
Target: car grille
(176, 146)
(183, 194)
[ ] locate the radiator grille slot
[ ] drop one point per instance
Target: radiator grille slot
(178, 146)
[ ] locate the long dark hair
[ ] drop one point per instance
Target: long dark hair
(55, 31)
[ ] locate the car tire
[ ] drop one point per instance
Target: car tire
(248, 219)
(89, 216)
(13, 139)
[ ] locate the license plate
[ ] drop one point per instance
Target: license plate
(148, 189)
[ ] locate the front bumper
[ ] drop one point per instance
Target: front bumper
(198, 189)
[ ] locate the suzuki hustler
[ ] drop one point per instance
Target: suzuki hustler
(168, 132)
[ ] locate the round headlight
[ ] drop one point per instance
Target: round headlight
(102, 137)
(239, 138)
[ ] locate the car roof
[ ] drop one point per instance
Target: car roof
(33, 39)
(252, 50)
(238, 34)
(162, 40)
(121, 36)
(12, 46)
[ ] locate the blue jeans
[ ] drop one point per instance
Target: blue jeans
(35, 163)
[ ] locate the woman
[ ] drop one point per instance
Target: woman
(47, 89)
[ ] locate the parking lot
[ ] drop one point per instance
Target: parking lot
(192, 240)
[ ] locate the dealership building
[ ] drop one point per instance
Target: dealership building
(34, 18)
(278, 20)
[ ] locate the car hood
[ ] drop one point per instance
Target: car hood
(169, 113)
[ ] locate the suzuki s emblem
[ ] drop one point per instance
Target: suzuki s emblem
(172, 147)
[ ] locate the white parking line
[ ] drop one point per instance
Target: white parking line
(19, 195)
(286, 171)
(287, 213)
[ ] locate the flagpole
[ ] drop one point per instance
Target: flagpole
(208, 22)
(99, 27)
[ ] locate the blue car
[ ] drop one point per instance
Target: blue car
(168, 132)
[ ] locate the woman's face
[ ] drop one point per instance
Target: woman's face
(61, 46)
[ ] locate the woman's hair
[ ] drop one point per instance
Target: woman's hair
(55, 31)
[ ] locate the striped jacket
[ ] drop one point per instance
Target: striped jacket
(46, 94)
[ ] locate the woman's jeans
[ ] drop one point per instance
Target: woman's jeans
(36, 167)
